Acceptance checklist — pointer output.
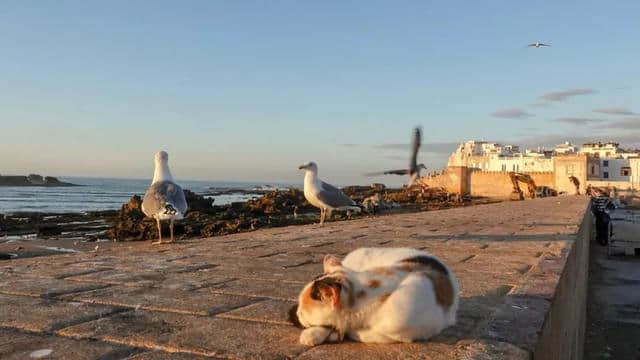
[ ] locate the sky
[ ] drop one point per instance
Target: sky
(249, 90)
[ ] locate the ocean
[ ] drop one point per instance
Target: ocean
(106, 194)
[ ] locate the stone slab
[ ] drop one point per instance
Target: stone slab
(19, 346)
(198, 335)
(45, 315)
(196, 302)
(43, 286)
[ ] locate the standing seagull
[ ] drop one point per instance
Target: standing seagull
(537, 44)
(322, 195)
(414, 168)
(164, 200)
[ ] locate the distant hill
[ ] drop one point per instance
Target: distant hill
(32, 180)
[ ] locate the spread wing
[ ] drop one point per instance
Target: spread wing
(415, 147)
(389, 172)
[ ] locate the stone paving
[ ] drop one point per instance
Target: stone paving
(227, 297)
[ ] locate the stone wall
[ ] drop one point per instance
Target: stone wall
(498, 184)
(562, 335)
(571, 165)
(454, 179)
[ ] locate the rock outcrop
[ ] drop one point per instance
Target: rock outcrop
(276, 208)
(32, 180)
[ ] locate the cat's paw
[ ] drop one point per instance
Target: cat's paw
(314, 336)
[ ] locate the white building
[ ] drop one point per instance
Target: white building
(489, 156)
(566, 148)
(612, 165)
(615, 169)
(607, 150)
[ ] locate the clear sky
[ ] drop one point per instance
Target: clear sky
(248, 90)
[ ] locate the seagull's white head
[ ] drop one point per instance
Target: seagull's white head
(161, 172)
(162, 157)
(310, 166)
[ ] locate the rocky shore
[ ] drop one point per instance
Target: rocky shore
(32, 180)
(204, 218)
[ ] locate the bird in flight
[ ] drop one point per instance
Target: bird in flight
(537, 44)
(414, 168)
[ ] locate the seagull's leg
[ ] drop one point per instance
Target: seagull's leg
(322, 212)
(328, 213)
(171, 230)
(159, 233)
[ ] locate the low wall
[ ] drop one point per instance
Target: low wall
(498, 184)
(620, 185)
(562, 335)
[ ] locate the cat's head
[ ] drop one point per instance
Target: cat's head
(322, 300)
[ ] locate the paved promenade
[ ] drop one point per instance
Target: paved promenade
(228, 297)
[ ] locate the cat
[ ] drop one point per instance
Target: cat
(377, 295)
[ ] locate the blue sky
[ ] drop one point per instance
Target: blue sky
(248, 90)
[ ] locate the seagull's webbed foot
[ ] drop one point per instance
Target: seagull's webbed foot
(156, 242)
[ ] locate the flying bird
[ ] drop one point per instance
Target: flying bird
(414, 168)
(537, 44)
(324, 196)
(164, 200)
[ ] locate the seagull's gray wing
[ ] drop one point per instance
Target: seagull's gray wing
(415, 146)
(397, 172)
(161, 194)
(389, 172)
(541, 44)
(334, 197)
(530, 45)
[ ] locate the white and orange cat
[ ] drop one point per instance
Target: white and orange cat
(378, 295)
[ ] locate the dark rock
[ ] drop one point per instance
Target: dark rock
(198, 202)
(36, 179)
(49, 230)
(280, 203)
(32, 180)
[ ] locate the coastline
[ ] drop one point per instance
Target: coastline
(275, 208)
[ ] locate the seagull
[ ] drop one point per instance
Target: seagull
(537, 44)
(164, 200)
(414, 169)
(324, 196)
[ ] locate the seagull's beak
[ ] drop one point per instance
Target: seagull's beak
(301, 167)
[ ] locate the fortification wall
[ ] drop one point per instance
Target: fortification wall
(454, 179)
(498, 184)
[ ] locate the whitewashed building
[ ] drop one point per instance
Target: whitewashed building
(566, 148)
(607, 150)
(488, 156)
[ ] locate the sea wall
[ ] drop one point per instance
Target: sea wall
(498, 184)
(562, 335)
(454, 179)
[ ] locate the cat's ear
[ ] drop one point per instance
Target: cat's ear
(327, 290)
(331, 263)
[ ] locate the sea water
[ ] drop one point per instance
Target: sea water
(105, 194)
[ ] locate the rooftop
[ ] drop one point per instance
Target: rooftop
(228, 297)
